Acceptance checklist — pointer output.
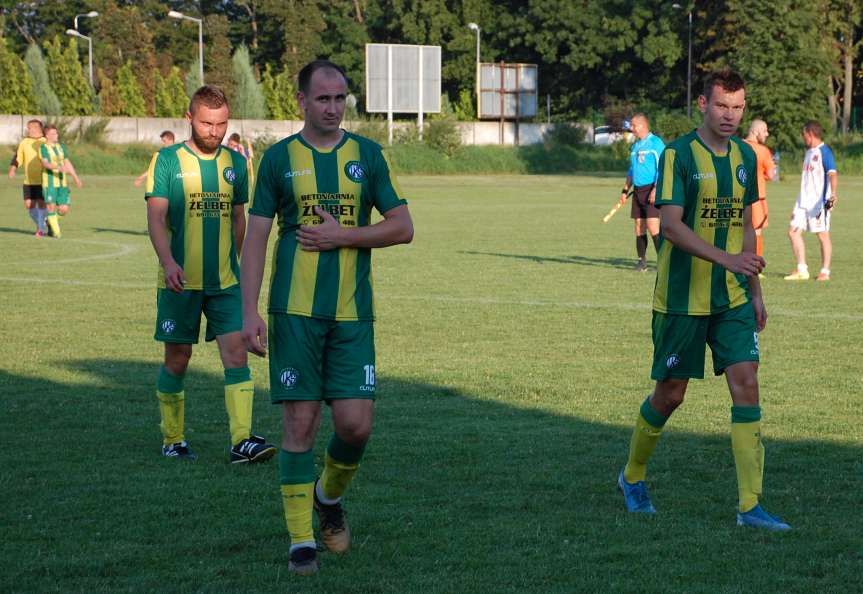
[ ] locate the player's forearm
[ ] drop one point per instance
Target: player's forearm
(252, 272)
(159, 237)
(393, 230)
(239, 219)
(834, 183)
(749, 245)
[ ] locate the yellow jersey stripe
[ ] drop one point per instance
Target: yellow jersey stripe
(193, 234)
(305, 270)
(346, 307)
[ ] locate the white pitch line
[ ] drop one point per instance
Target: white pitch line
(124, 249)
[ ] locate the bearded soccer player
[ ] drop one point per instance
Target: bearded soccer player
(27, 156)
(707, 291)
(195, 216)
(322, 184)
(57, 167)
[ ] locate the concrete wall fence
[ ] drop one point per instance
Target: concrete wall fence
(147, 130)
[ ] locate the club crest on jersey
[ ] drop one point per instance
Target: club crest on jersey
(741, 175)
(289, 377)
(168, 326)
(355, 172)
(229, 174)
(672, 361)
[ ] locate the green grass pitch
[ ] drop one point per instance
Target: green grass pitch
(513, 353)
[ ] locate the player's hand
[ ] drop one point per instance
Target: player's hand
(760, 313)
(623, 196)
(11, 174)
(831, 202)
(745, 263)
(78, 182)
(255, 334)
(138, 181)
(175, 280)
(652, 197)
(321, 238)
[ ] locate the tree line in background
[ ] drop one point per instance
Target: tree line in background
(598, 59)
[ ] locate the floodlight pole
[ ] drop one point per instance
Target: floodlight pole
(677, 6)
(74, 33)
(476, 29)
(179, 15)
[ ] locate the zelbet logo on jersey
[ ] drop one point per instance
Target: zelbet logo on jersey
(354, 170)
(229, 174)
(672, 361)
(289, 377)
(741, 175)
(168, 326)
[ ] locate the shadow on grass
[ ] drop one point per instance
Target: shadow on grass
(457, 492)
(13, 230)
(118, 231)
(621, 263)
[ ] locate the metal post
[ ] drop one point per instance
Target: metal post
(90, 51)
(420, 93)
(201, 48)
(389, 94)
(689, 73)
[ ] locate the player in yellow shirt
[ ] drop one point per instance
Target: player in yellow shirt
(27, 156)
(167, 137)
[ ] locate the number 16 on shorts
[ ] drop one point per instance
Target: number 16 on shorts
(370, 377)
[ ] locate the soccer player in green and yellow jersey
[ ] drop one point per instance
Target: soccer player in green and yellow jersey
(27, 156)
(195, 215)
(322, 184)
(707, 291)
(167, 138)
(57, 167)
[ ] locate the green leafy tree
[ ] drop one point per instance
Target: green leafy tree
(280, 94)
(249, 100)
(67, 77)
(217, 55)
(193, 81)
(129, 91)
(465, 107)
(171, 98)
(110, 103)
(16, 89)
(46, 98)
(124, 36)
(784, 92)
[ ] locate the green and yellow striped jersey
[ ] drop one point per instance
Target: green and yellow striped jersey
(56, 155)
(201, 194)
(348, 180)
(713, 190)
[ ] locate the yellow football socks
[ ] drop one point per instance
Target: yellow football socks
(54, 223)
(748, 454)
(340, 465)
(239, 396)
(297, 477)
(648, 428)
(169, 391)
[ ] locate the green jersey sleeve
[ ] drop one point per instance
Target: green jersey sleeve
(43, 153)
(266, 198)
(386, 193)
(159, 176)
(750, 196)
(671, 184)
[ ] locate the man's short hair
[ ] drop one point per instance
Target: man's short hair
(641, 115)
(304, 78)
(725, 79)
(48, 127)
(814, 128)
(167, 134)
(208, 96)
(235, 137)
(38, 122)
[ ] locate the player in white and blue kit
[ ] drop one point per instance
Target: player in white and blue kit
(642, 175)
(817, 196)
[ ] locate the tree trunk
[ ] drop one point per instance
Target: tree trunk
(358, 10)
(831, 100)
(847, 95)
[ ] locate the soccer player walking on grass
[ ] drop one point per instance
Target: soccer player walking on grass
(707, 291)
(322, 184)
(765, 170)
(818, 183)
(56, 170)
(195, 216)
(28, 156)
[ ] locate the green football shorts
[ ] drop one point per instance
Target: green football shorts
(58, 196)
(678, 342)
(315, 359)
(178, 315)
